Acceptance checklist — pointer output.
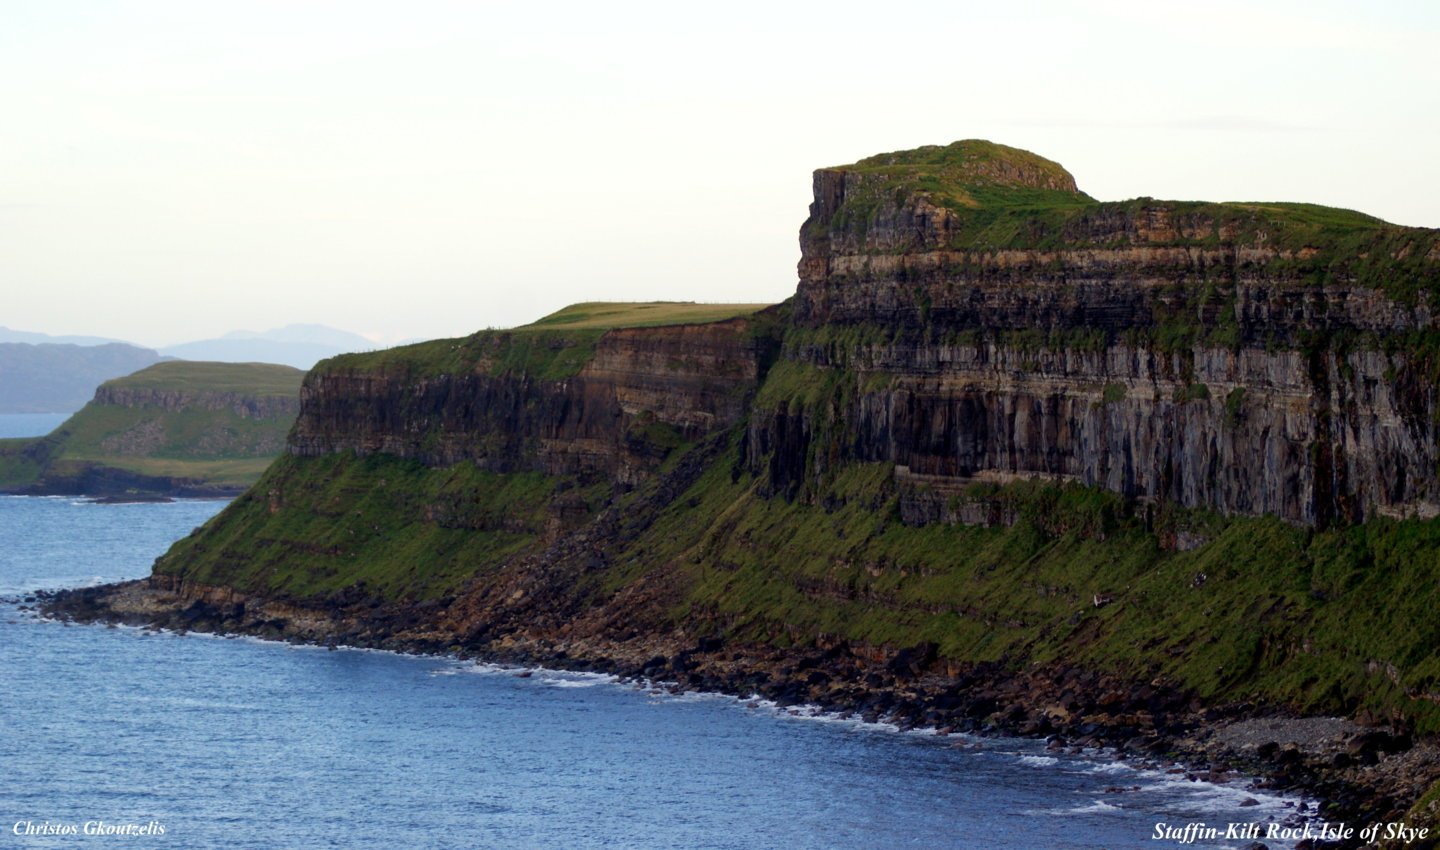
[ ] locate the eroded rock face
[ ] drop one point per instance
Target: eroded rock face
(1248, 432)
(1273, 394)
(642, 389)
(243, 405)
(1207, 355)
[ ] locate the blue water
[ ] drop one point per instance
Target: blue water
(29, 424)
(240, 743)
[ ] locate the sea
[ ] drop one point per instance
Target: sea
(196, 741)
(29, 424)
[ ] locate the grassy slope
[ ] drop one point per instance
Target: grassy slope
(218, 447)
(402, 530)
(18, 467)
(1281, 615)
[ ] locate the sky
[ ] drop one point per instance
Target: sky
(176, 170)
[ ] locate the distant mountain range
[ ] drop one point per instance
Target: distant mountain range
(9, 335)
(301, 346)
(41, 373)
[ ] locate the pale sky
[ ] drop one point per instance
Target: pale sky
(175, 170)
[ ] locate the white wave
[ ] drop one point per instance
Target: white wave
(1218, 797)
(1039, 761)
(1093, 808)
(576, 680)
(1110, 767)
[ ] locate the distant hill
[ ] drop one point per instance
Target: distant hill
(175, 428)
(10, 335)
(300, 346)
(53, 378)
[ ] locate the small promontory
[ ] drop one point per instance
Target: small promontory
(177, 428)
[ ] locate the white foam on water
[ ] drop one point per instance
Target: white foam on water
(1111, 767)
(576, 680)
(1095, 807)
(1039, 761)
(1218, 797)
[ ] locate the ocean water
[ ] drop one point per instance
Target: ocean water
(241, 743)
(29, 424)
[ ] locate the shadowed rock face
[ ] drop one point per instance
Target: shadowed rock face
(1215, 356)
(1279, 433)
(642, 386)
(1054, 362)
(244, 405)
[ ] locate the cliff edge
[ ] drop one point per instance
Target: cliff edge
(1010, 458)
(177, 428)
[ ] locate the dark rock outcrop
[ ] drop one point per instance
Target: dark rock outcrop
(644, 389)
(1197, 354)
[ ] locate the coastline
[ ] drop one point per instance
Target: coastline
(1352, 773)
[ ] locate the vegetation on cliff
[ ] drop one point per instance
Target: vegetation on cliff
(174, 427)
(901, 471)
(979, 197)
(554, 347)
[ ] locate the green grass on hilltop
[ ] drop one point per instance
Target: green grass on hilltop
(639, 314)
(255, 379)
(985, 183)
(973, 173)
(1008, 199)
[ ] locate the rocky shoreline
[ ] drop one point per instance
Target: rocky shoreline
(1359, 774)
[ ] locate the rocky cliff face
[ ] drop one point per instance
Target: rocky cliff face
(641, 392)
(976, 318)
(999, 419)
(243, 405)
(1235, 358)
(1003, 431)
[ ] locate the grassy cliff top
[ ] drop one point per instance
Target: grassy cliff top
(970, 174)
(1003, 198)
(255, 379)
(554, 347)
(608, 315)
(974, 174)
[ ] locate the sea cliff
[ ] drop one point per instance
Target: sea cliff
(1011, 457)
(176, 428)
